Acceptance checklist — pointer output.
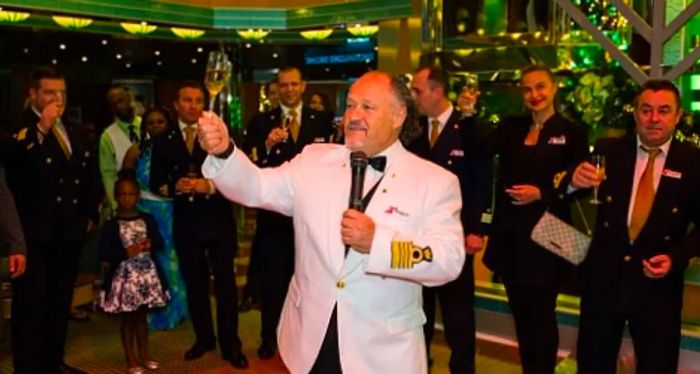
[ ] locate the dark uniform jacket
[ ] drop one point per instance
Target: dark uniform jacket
(561, 146)
(612, 272)
(171, 161)
(55, 195)
(474, 173)
(316, 127)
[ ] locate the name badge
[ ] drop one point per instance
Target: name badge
(557, 140)
(457, 153)
(671, 174)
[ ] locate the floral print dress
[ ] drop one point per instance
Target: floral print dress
(135, 281)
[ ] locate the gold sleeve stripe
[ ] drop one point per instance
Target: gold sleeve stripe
(405, 255)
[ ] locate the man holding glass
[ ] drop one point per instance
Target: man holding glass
(55, 182)
(633, 274)
(204, 230)
(354, 302)
(272, 138)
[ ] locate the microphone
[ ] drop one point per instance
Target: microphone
(358, 164)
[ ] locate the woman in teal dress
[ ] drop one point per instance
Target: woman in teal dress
(156, 121)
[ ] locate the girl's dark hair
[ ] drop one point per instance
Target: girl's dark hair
(125, 176)
(169, 124)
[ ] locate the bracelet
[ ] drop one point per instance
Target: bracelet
(229, 150)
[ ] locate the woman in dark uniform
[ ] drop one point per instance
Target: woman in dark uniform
(535, 151)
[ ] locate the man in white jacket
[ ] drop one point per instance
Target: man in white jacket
(359, 312)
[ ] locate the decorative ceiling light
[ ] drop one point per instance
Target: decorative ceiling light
(72, 22)
(142, 28)
(316, 34)
(252, 34)
(363, 30)
(12, 17)
(187, 33)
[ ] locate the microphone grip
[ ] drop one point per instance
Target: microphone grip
(358, 181)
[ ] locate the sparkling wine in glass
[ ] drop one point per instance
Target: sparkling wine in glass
(599, 163)
(217, 74)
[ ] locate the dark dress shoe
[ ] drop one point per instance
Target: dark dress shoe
(67, 369)
(237, 360)
(266, 351)
(198, 350)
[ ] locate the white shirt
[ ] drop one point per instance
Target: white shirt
(183, 125)
(285, 112)
(443, 117)
(640, 165)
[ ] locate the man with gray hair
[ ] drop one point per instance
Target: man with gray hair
(354, 302)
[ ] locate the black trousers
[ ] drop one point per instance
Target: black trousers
(533, 309)
(328, 360)
(199, 251)
(656, 340)
(41, 304)
(457, 305)
(276, 246)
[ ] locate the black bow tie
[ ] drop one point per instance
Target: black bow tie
(378, 163)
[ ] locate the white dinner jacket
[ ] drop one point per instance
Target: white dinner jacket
(418, 241)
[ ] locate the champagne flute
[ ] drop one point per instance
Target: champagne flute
(599, 163)
(217, 74)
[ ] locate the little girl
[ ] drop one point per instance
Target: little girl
(132, 284)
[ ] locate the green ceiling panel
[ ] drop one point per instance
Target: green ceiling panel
(222, 18)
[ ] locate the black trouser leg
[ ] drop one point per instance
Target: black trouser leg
(599, 338)
(195, 273)
(277, 268)
(533, 309)
(328, 360)
(221, 254)
(457, 305)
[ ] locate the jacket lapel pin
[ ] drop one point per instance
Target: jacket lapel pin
(672, 174)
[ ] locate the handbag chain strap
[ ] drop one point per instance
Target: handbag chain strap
(583, 218)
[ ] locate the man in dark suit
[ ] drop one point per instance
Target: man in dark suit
(271, 139)
(441, 142)
(54, 179)
(204, 230)
(633, 274)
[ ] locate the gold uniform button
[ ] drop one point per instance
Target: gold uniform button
(608, 199)
(77, 181)
(667, 237)
(48, 160)
(628, 258)
(75, 201)
(340, 284)
(58, 199)
(674, 210)
(449, 162)
(606, 224)
(561, 196)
